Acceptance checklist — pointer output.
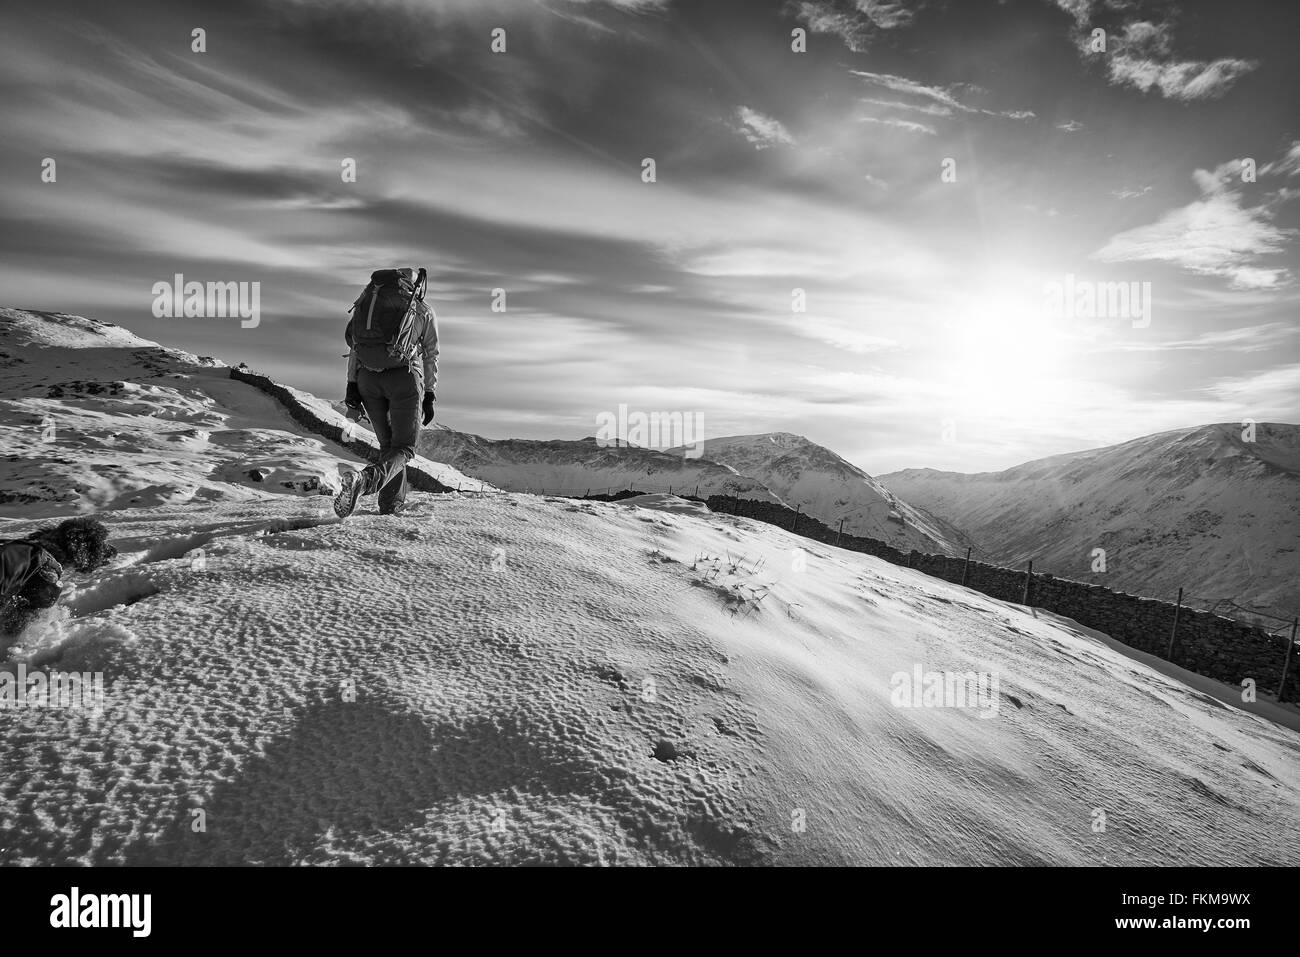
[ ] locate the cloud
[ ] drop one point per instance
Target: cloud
(855, 22)
(1269, 392)
(1071, 126)
(762, 131)
(929, 109)
(1215, 235)
(939, 101)
(899, 124)
(1141, 54)
(1257, 338)
(901, 84)
(1288, 164)
(1129, 193)
(634, 6)
(1188, 80)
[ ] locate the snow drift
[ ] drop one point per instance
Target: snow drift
(516, 679)
(512, 679)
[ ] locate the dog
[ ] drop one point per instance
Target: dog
(31, 568)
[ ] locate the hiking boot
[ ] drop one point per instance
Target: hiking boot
(345, 503)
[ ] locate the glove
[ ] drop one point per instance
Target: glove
(428, 407)
(353, 398)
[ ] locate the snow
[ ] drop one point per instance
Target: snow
(830, 489)
(1199, 509)
(505, 678)
(667, 503)
(93, 418)
(518, 663)
(577, 467)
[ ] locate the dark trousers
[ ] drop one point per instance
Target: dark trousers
(392, 400)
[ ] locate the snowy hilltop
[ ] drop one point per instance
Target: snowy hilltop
(831, 489)
(773, 467)
(1214, 510)
(503, 678)
(576, 467)
(93, 417)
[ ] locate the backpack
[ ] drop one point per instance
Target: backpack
(382, 328)
(20, 562)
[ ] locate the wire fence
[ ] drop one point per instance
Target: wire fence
(1226, 607)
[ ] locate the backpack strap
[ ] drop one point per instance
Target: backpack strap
(374, 297)
(369, 288)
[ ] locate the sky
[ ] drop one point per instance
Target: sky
(859, 213)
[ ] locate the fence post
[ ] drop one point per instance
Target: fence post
(965, 568)
(795, 523)
(1178, 609)
(1286, 663)
(839, 533)
(1029, 576)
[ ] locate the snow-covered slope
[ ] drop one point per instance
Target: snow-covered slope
(573, 467)
(518, 679)
(1194, 508)
(93, 417)
(830, 488)
(503, 678)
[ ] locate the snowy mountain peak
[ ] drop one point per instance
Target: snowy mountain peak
(831, 489)
(1212, 509)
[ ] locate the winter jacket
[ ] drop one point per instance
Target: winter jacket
(426, 337)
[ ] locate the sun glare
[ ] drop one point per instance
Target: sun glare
(1006, 359)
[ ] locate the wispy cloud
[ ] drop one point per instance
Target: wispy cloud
(1256, 338)
(1216, 235)
(929, 109)
(937, 101)
(1185, 80)
(855, 22)
(1289, 164)
(1071, 126)
(1265, 393)
(762, 131)
(899, 124)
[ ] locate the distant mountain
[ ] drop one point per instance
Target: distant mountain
(572, 467)
(1198, 508)
(829, 488)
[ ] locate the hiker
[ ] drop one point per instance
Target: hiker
(31, 568)
(392, 373)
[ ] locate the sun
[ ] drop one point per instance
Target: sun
(1005, 359)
